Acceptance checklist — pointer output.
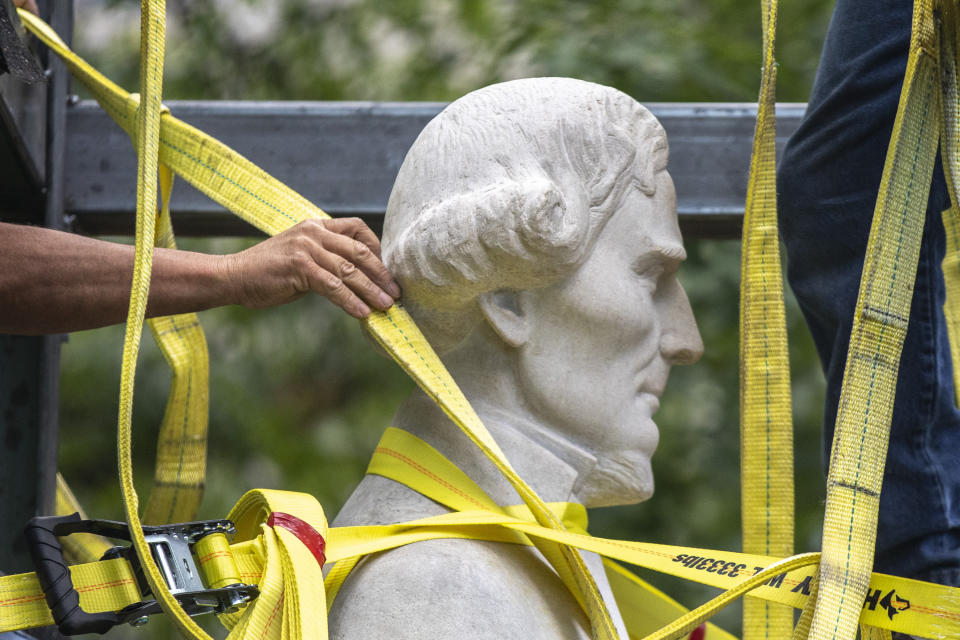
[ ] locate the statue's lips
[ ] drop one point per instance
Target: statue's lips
(652, 399)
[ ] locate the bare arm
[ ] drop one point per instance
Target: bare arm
(53, 282)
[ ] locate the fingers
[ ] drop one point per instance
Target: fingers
(362, 255)
(350, 273)
(349, 261)
(336, 291)
(357, 229)
(338, 259)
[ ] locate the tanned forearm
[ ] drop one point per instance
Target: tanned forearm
(53, 282)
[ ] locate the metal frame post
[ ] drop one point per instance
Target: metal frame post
(30, 365)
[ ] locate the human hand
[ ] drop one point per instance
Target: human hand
(29, 5)
(337, 258)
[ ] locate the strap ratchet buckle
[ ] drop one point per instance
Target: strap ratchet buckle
(172, 549)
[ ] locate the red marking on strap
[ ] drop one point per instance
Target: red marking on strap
(305, 533)
(699, 633)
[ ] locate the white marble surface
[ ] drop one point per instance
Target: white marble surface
(533, 228)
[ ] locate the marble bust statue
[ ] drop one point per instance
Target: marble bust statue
(533, 228)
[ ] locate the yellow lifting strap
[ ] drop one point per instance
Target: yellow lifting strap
(81, 547)
(880, 323)
(243, 188)
(951, 277)
(766, 421)
(950, 156)
(404, 458)
(263, 201)
(408, 460)
(181, 457)
(261, 554)
(265, 555)
(147, 143)
(180, 470)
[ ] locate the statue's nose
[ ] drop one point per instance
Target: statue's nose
(681, 342)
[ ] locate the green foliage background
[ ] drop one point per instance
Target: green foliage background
(298, 398)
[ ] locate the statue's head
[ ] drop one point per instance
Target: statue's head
(542, 210)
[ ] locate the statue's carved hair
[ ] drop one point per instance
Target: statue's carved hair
(508, 188)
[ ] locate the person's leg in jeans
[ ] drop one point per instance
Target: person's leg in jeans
(828, 183)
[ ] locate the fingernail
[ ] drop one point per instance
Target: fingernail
(394, 289)
(385, 300)
(363, 310)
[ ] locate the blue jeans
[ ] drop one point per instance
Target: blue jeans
(828, 182)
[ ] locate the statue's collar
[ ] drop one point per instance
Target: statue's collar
(552, 465)
(540, 439)
(414, 463)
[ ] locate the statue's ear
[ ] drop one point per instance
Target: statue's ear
(503, 311)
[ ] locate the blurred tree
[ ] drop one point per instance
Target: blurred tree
(298, 398)
(437, 50)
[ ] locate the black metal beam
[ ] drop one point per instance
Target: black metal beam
(22, 121)
(345, 156)
(30, 365)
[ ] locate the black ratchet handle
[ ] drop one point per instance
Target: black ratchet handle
(54, 578)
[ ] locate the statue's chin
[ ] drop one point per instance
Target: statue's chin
(618, 479)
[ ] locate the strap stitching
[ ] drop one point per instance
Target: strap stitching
(416, 466)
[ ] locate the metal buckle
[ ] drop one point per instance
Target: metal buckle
(194, 603)
(171, 548)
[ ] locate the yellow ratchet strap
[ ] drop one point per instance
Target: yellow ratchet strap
(873, 633)
(879, 327)
(898, 604)
(951, 278)
(147, 143)
(251, 193)
(271, 556)
(81, 547)
(950, 156)
(408, 460)
(180, 470)
(766, 420)
(248, 191)
(927, 610)
(182, 442)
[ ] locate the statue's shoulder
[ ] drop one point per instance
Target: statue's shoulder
(445, 589)
(455, 589)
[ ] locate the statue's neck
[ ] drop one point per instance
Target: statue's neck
(551, 465)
